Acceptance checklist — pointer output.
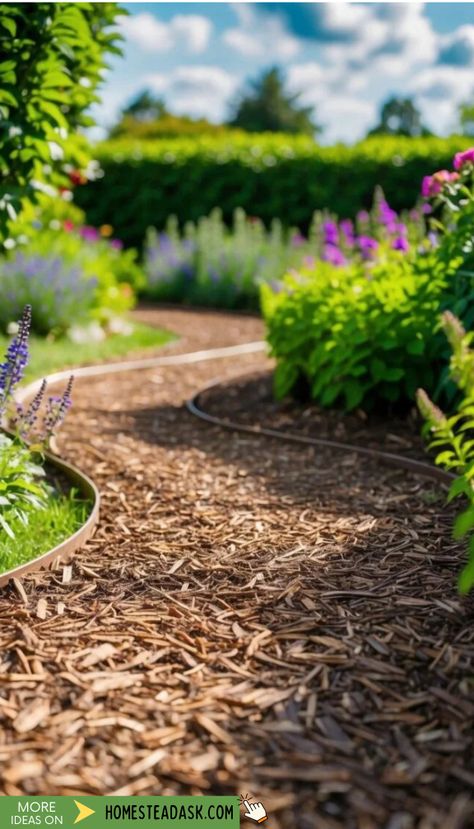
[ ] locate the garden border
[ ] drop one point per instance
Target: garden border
(66, 548)
(86, 485)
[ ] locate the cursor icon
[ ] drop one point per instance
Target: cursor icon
(255, 811)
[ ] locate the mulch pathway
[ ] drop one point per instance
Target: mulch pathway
(250, 617)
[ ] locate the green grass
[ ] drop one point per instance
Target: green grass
(48, 356)
(62, 516)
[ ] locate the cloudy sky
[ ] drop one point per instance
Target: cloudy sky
(345, 58)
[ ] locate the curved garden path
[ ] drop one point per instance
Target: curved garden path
(250, 617)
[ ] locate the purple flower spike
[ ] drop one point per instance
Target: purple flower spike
(400, 243)
(331, 233)
(333, 255)
(16, 358)
(25, 420)
(56, 411)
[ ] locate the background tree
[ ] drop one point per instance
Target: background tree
(52, 57)
(400, 116)
(147, 117)
(146, 107)
(265, 106)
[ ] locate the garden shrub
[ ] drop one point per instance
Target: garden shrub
(69, 272)
(52, 58)
(269, 176)
(360, 335)
(452, 436)
(368, 334)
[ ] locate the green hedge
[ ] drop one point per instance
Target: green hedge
(268, 175)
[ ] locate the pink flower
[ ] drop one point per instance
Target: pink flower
(432, 185)
(466, 157)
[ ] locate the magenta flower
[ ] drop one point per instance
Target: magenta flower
(333, 255)
(367, 246)
(89, 234)
(331, 233)
(466, 157)
(400, 243)
(432, 185)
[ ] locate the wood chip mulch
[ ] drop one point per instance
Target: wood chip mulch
(251, 617)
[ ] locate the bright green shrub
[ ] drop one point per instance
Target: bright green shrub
(269, 176)
(360, 335)
(452, 436)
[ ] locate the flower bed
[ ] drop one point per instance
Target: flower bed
(39, 508)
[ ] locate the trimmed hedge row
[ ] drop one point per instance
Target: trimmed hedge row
(267, 175)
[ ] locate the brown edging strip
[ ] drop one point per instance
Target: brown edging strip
(86, 486)
(427, 470)
(66, 548)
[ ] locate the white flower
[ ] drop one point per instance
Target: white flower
(9, 244)
(56, 151)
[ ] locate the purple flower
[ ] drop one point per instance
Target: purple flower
(331, 233)
(347, 228)
(57, 409)
(386, 213)
(367, 246)
(116, 244)
(16, 358)
(363, 217)
(25, 420)
(297, 240)
(89, 233)
(333, 255)
(400, 243)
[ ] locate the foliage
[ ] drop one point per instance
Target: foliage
(268, 176)
(69, 272)
(399, 116)
(452, 436)
(58, 519)
(52, 57)
(20, 489)
(146, 118)
(267, 107)
(22, 485)
(360, 335)
(210, 265)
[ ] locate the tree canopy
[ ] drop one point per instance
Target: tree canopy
(400, 116)
(265, 106)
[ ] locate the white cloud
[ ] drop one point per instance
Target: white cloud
(257, 38)
(191, 32)
(195, 90)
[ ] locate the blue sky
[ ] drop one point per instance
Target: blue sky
(344, 58)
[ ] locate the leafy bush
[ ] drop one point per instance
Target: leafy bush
(269, 176)
(69, 272)
(452, 436)
(359, 335)
(52, 58)
(368, 334)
